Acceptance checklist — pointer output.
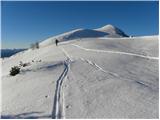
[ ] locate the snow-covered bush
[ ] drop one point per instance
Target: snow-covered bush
(35, 45)
(14, 70)
(23, 64)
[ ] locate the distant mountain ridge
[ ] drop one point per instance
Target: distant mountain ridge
(9, 52)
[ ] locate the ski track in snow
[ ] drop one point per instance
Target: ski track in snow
(58, 110)
(58, 105)
(116, 52)
(89, 62)
(98, 67)
(114, 74)
(66, 54)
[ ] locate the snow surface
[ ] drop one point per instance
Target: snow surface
(84, 78)
(74, 34)
(112, 31)
(106, 31)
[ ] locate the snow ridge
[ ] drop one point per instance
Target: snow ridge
(112, 31)
(106, 31)
(74, 34)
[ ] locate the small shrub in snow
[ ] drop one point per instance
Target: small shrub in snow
(14, 70)
(23, 64)
(20, 63)
(35, 46)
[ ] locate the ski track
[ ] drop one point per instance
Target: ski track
(89, 62)
(98, 67)
(116, 52)
(58, 110)
(63, 106)
(58, 105)
(66, 54)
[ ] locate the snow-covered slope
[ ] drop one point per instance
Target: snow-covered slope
(106, 31)
(84, 78)
(112, 31)
(75, 34)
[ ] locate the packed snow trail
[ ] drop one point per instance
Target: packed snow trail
(57, 110)
(116, 52)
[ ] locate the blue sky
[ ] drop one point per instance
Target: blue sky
(24, 23)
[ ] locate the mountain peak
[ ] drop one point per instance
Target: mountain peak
(112, 31)
(107, 30)
(108, 26)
